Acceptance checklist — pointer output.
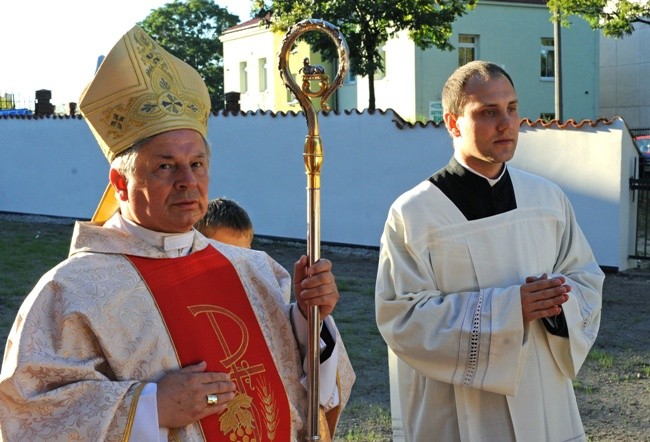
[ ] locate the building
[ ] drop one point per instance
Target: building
(250, 59)
(517, 35)
(624, 71)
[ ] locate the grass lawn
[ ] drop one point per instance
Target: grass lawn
(612, 388)
(27, 251)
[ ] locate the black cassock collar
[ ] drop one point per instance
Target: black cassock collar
(476, 199)
(472, 194)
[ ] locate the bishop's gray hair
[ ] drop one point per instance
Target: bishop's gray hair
(124, 162)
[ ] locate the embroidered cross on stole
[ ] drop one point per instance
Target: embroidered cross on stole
(209, 318)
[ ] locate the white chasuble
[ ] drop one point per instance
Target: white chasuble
(89, 337)
(464, 366)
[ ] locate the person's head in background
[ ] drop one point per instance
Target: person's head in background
(227, 222)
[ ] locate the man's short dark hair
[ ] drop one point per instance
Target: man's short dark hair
(223, 212)
(454, 97)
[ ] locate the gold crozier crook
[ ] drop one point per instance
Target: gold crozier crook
(313, 156)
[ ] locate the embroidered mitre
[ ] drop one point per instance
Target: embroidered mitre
(141, 90)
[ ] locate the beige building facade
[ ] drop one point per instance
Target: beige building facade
(517, 35)
(250, 56)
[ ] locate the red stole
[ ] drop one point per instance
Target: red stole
(209, 318)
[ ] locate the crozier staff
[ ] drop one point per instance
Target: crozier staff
(149, 330)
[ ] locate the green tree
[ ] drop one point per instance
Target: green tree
(368, 24)
(614, 17)
(190, 30)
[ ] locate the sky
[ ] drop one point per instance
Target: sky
(55, 44)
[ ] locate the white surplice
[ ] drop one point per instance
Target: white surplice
(464, 366)
(89, 340)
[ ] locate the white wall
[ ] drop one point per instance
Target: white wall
(593, 166)
(50, 167)
(54, 167)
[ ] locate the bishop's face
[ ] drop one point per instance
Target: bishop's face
(168, 191)
(486, 134)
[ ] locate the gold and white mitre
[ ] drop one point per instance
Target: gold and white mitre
(141, 90)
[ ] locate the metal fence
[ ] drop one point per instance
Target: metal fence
(15, 101)
(641, 189)
(16, 104)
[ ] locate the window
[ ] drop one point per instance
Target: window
(547, 60)
(547, 116)
(350, 78)
(435, 111)
(243, 78)
(261, 67)
(380, 71)
(291, 99)
(467, 48)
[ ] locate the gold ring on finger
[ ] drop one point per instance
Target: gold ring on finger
(212, 399)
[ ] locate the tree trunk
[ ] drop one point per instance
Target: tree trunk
(371, 92)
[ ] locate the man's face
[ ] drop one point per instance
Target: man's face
(486, 134)
(169, 189)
